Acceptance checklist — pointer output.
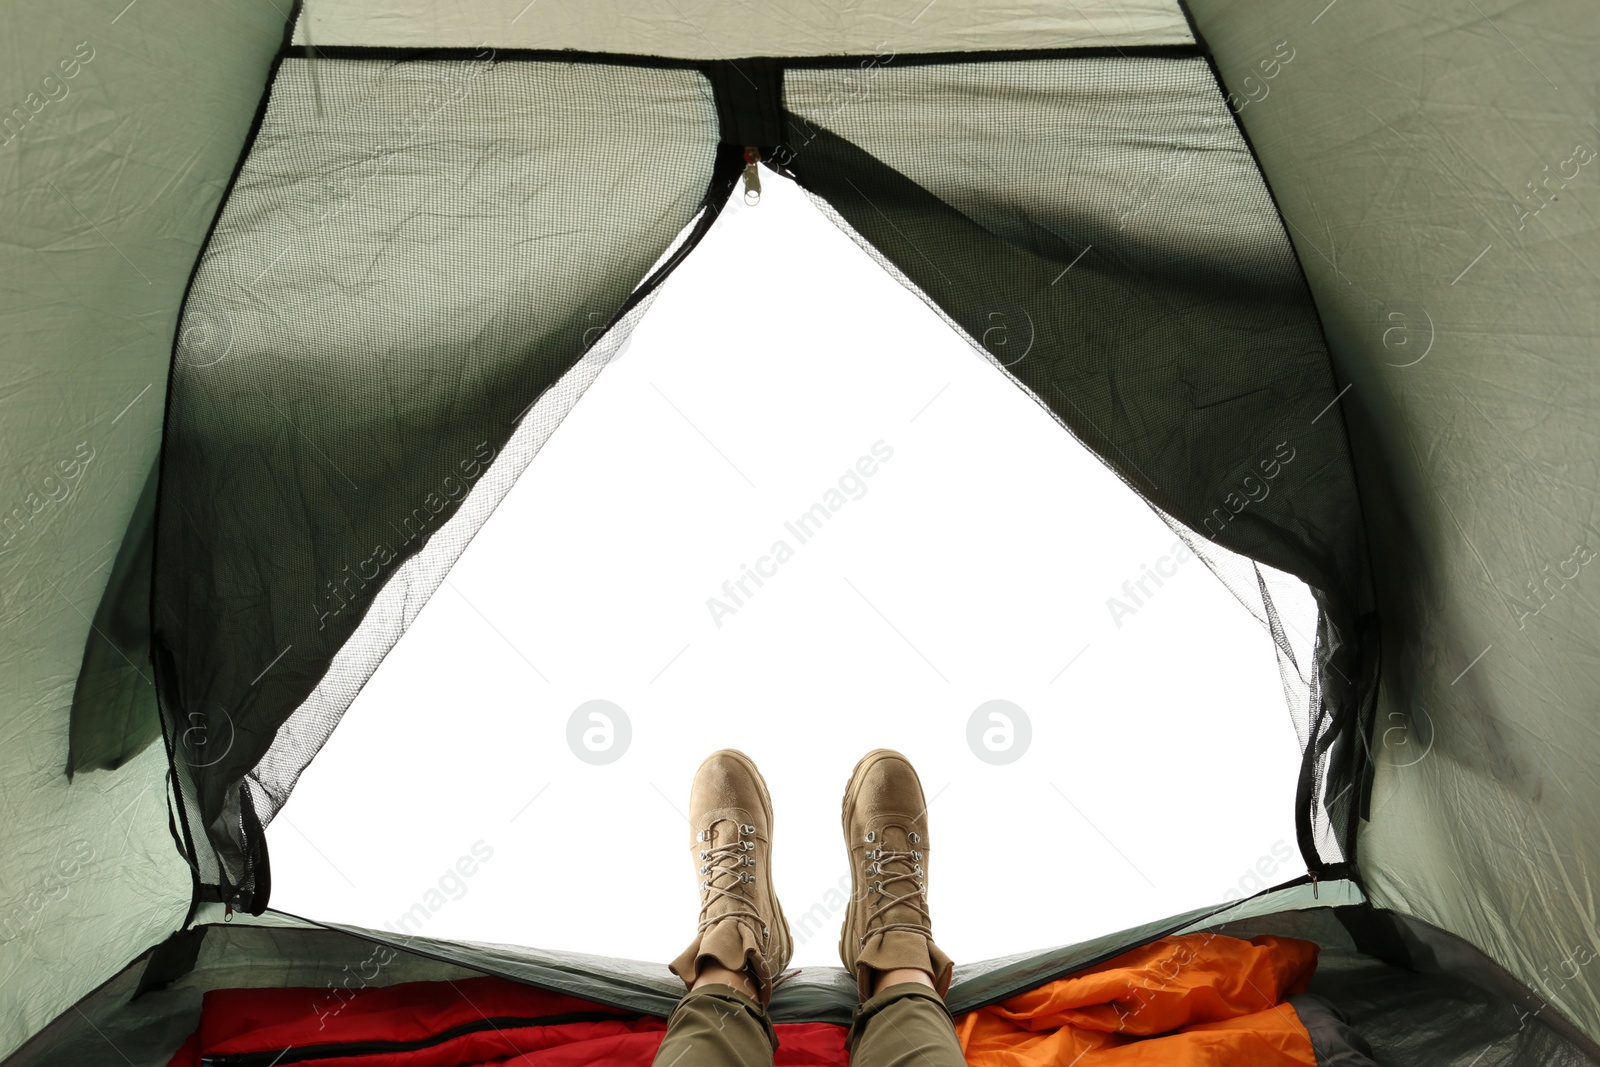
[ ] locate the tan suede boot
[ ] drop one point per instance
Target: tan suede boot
(886, 832)
(741, 924)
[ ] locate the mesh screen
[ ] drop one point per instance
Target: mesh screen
(425, 260)
(1097, 226)
(405, 594)
(382, 329)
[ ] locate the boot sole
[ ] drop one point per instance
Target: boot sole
(766, 803)
(847, 808)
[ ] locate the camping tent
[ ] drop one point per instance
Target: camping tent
(1308, 278)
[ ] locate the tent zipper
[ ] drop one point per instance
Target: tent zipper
(342, 1049)
(752, 176)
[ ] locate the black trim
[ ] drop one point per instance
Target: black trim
(170, 960)
(727, 167)
(1000, 55)
(340, 1050)
(1305, 782)
(1365, 640)
(402, 54)
(160, 656)
(258, 869)
(725, 172)
(1317, 743)
(749, 99)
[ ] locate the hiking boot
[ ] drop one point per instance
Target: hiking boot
(741, 924)
(886, 830)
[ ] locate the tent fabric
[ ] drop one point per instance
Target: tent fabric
(1430, 165)
(707, 29)
(114, 712)
(1191, 1000)
(116, 138)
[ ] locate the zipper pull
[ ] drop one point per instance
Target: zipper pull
(752, 176)
(1313, 886)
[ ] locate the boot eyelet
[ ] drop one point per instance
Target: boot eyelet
(747, 829)
(872, 835)
(749, 861)
(916, 856)
(700, 836)
(749, 846)
(704, 854)
(705, 869)
(915, 837)
(872, 868)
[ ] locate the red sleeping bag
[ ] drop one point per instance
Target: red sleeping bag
(472, 1022)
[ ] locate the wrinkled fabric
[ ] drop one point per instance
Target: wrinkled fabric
(1185, 1001)
(477, 1022)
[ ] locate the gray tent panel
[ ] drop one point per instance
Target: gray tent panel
(1447, 1006)
(117, 134)
(1429, 164)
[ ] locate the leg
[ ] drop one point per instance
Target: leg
(743, 943)
(718, 1023)
(887, 939)
(904, 1025)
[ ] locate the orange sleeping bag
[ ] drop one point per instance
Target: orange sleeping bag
(1195, 1000)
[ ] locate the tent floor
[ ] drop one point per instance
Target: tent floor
(1454, 1010)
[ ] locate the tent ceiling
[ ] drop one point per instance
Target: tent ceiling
(722, 29)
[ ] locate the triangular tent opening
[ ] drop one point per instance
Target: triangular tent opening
(1165, 324)
(1125, 692)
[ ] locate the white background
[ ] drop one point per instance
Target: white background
(976, 566)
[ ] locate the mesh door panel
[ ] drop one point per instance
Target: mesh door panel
(412, 254)
(1098, 227)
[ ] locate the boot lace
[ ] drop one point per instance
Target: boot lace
(892, 866)
(726, 870)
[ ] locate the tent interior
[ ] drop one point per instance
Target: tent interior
(1307, 279)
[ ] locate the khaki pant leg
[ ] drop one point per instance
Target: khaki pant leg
(717, 1026)
(906, 1025)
